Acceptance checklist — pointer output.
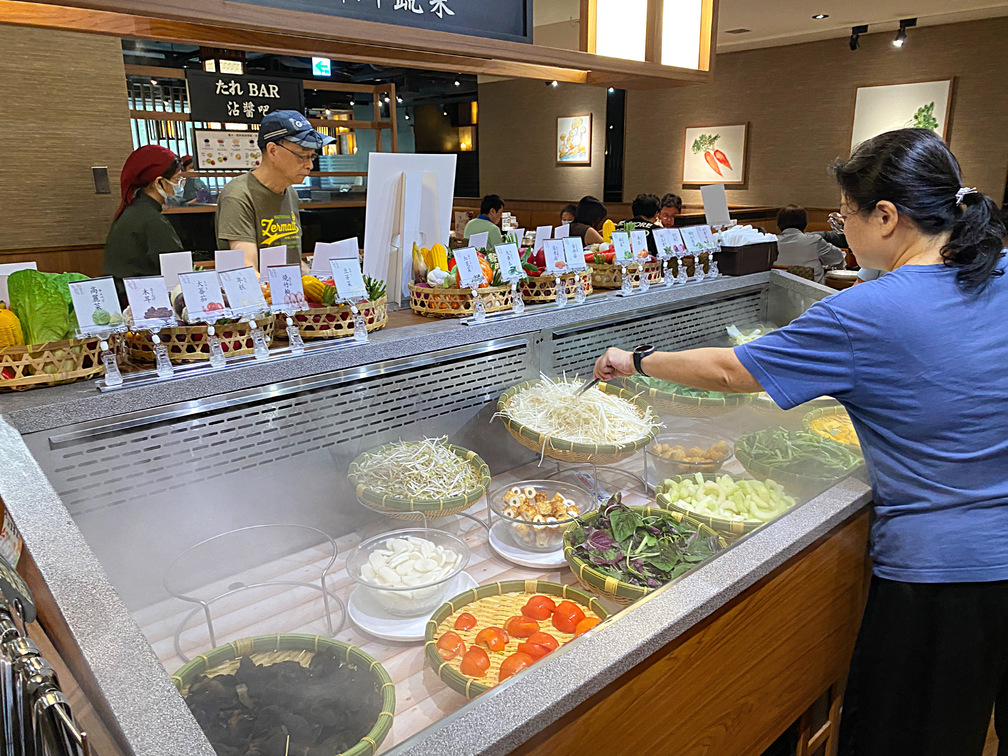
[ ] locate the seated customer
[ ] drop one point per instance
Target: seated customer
(645, 208)
(795, 247)
(568, 213)
(491, 212)
(588, 220)
(671, 206)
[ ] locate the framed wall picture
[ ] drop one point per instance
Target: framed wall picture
(884, 107)
(715, 154)
(574, 139)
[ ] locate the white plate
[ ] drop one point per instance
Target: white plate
(500, 542)
(368, 616)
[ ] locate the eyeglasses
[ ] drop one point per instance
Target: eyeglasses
(836, 222)
(310, 157)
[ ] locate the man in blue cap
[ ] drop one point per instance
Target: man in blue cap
(260, 208)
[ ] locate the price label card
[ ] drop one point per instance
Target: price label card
(325, 251)
(556, 261)
(470, 273)
(96, 305)
(243, 291)
(148, 301)
(202, 294)
(228, 259)
(272, 256)
(286, 291)
(173, 263)
(479, 241)
(694, 239)
(621, 245)
(561, 231)
(542, 234)
(509, 261)
(666, 241)
(574, 254)
(638, 244)
(349, 281)
(707, 239)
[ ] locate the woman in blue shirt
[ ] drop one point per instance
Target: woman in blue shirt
(919, 358)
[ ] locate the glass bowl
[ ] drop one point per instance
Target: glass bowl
(413, 600)
(661, 467)
(546, 535)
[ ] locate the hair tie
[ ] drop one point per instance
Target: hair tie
(963, 191)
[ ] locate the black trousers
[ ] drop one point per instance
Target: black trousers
(930, 662)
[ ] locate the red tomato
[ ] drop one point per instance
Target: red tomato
(539, 607)
(465, 621)
(585, 625)
(567, 616)
(544, 639)
(475, 663)
(534, 650)
(513, 665)
(450, 645)
(492, 638)
(521, 627)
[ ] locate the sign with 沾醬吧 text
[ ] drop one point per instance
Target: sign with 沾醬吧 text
(229, 98)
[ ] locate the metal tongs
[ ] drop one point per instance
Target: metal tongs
(585, 387)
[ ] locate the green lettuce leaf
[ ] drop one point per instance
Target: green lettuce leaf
(42, 303)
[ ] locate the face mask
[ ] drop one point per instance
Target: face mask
(179, 191)
(159, 190)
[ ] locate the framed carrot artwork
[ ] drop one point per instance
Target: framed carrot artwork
(715, 154)
(574, 137)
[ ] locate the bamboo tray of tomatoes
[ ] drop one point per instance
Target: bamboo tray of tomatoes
(486, 635)
(606, 274)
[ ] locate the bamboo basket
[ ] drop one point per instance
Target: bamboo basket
(419, 509)
(492, 605)
(27, 367)
(539, 289)
(764, 405)
(800, 486)
(826, 411)
(189, 343)
(571, 451)
(610, 276)
(270, 649)
(730, 529)
(457, 303)
(613, 589)
(337, 321)
(669, 403)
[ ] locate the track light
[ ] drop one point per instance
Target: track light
(856, 32)
(611, 90)
(554, 83)
(901, 35)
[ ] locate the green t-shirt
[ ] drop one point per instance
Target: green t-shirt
(247, 211)
(137, 237)
(479, 225)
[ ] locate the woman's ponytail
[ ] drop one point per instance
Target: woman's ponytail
(915, 170)
(976, 243)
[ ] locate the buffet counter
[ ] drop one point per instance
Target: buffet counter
(110, 489)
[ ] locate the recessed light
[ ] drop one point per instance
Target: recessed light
(611, 90)
(820, 16)
(458, 83)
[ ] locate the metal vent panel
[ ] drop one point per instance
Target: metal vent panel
(107, 467)
(575, 350)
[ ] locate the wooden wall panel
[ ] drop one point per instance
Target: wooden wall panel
(62, 110)
(799, 102)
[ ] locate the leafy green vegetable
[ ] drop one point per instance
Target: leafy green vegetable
(679, 390)
(646, 551)
(924, 118)
(43, 305)
(798, 452)
(704, 142)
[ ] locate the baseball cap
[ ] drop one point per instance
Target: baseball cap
(292, 126)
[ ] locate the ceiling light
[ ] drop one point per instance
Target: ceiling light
(352, 103)
(407, 116)
(398, 99)
(328, 112)
(154, 82)
(901, 35)
(820, 16)
(458, 83)
(856, 32)
(554, 83)
(611, 90)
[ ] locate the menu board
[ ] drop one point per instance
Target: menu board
(96, 305)
(226, 149)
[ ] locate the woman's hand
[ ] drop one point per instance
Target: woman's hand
(615, 363)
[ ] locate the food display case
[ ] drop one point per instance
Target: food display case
(176, 526)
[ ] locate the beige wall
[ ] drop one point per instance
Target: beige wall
(799, 102)
(517, 136)
(62, 110)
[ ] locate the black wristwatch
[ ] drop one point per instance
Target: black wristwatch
(639, 353)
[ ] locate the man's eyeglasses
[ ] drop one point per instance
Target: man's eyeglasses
(836, 222)
(303, 157)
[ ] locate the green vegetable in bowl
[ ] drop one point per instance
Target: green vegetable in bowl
(798, 452)
(643, 550)
(42, 303)
(678, 389)
(729, 499)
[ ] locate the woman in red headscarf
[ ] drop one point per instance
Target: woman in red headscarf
(140, 233)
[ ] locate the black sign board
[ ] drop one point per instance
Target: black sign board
(225, 98)
(497, 19)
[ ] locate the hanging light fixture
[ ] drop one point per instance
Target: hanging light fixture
(856, 32)
(901, 35)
